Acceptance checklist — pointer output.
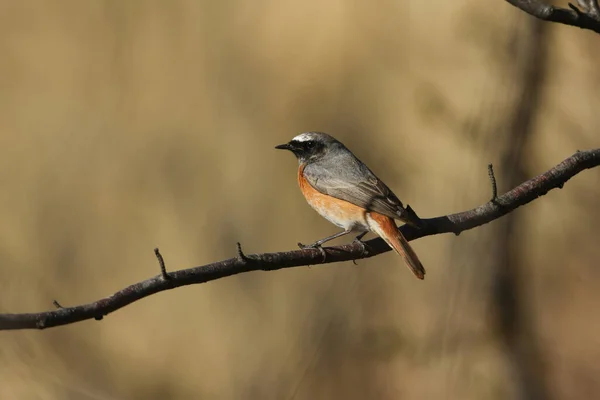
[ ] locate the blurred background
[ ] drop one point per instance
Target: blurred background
(126, 125)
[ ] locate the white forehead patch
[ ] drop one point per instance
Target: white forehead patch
(303, 137)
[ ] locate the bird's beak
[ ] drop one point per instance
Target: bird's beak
(286, 146)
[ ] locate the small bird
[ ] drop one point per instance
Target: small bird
(344, 191)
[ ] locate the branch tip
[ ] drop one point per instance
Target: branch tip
(161, 263)
(57, 304)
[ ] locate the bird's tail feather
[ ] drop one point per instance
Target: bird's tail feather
(386, 228)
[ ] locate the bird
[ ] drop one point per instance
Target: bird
(343, 190)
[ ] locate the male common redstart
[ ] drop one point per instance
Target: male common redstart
(346, 193)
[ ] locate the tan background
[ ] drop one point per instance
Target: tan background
(126, 125)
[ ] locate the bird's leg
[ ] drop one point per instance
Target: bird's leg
(362, 235)
(318, 243)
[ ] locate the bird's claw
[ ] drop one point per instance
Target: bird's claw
(314, 246)
(364, 247)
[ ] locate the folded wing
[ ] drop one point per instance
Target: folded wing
(350, 180)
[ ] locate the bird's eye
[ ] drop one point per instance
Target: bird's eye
(310, 144)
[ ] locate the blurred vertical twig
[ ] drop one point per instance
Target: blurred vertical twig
(512, 314)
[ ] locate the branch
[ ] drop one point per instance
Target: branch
(454, 223)
(586, 16)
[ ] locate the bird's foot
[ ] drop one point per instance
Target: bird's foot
(315, 245)
(364, 247)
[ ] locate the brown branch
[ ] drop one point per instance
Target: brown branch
(586, 16)
(454, 223)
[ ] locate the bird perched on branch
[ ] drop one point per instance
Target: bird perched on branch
(344, 191)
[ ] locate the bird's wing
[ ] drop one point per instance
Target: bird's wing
(353, 181)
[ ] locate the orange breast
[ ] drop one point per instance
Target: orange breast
(339, 212)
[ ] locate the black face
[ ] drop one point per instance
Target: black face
(304, 150)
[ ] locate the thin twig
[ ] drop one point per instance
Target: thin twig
(161, 263)
(240, 254)
(493, 182)
(455, 223)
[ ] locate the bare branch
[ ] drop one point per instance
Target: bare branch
(586, 17)
(454, 223)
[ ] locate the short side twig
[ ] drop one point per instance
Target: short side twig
(493, 182)
(161, 263)
(240, 254)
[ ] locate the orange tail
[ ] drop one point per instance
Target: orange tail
(386, 228)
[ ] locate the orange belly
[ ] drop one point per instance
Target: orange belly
(339, 212)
